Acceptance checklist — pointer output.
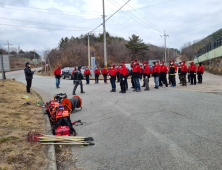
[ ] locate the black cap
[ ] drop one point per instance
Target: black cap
(26, 63)
(80, 67)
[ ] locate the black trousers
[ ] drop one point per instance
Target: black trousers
(163, 79)
(118, 77)
(193, 78)
(179, 75)
(96, 78)
(29, 84)
(188, 77)
(169, 79)
(183, 79)
(199, 77)
(105, 78)
(172, 80)
(132, 81)
(123, 84)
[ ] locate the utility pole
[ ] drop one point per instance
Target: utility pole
(165, 44)
(34, 57)
(88, 52)
(104, 34)
(8, 47)
(45, 62)
(3, 74)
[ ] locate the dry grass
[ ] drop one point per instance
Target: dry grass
(17, 120)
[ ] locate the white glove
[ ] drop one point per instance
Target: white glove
(146, 77)
(194, 73)
(109, 76)
(123, 78)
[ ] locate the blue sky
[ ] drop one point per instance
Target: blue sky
(183, 20)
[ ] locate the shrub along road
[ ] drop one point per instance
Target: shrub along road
(159, 129)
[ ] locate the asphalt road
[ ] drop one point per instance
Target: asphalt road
(159, 129)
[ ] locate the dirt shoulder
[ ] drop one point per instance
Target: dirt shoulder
(17, 119)
(211, 84)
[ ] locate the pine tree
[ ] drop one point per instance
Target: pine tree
(137, 47)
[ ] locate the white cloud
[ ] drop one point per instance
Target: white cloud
(183, 20)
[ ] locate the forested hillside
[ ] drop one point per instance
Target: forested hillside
(190, 49)
(74, 51)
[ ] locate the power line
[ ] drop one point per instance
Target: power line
(48, 9)
(131, 29)
(40, 23)
(155, 27)
(138, 18)
(39, 28)
(110, 16)
(154, 4)
(134, 19)
(46, 12)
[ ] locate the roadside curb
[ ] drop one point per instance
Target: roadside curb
(50, 149)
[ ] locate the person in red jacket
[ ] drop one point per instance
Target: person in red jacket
(86, 74)
(57, 73)
(193, 71)
(172, 72)
(183, 72)
(73, 70)
(112, 76)
(156, 73)
(163, 73)
(118, 73)
(146, 73)
(97, 73)
(200, 71)
(136, 76)
(104, 73)
(123, 77)
(143, 75)
(109, 69)
(188, 76)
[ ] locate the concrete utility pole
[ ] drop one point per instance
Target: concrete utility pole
(34, 57)
(165, 44)
(3, 77)
(104, 34)
(8, 47)
(88, 52)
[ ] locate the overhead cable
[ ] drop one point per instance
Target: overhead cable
(155, 27)
(136, 20)
(110, 16)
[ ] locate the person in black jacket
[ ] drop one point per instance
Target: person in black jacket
(28, 76)
(78, 80)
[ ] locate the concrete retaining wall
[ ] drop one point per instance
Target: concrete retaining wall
(209, 55)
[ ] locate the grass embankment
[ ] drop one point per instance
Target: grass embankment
(17, 119)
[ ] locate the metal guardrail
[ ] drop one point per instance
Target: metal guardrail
(209, 47)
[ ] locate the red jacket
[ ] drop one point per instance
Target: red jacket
(155, 69)
(163, 68)
(118, 70)
(137, 69)
(146, 69)
(200, 69)
(109, 70)
(104, 71)
(112, 72)
(193, 68)
(87, 72)
(57, 71)
(159, 68)
(184, 68)
(124, 71)
(97, 71)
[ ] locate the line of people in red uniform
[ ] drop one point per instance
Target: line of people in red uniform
(159, 71)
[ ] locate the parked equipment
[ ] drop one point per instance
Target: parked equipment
(59, 111)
